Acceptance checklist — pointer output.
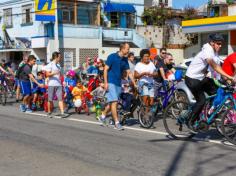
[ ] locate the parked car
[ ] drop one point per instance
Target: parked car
(182, 88)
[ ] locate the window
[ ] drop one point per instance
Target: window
(7, 17)
(66, 13)
(26, 14)
(115, 19)
(87, 13)
(130, 20)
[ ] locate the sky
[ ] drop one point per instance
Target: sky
(179, 4)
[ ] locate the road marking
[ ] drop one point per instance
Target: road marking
(137, 129)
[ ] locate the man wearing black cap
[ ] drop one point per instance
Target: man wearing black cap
(196, 79)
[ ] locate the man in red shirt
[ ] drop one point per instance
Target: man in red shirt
(229, 65)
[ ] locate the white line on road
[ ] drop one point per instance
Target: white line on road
(136, 129)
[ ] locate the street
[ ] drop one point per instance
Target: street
(36, 145)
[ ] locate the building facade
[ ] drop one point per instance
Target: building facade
(86, 28)
(222, 21)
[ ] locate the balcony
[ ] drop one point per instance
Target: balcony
(124, 35)
(80, 31)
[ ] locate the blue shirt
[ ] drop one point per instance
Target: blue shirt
(70, 82)
(92, 70)
(117, 65)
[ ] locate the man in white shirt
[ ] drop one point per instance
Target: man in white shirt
(53, 71)
(196, 79)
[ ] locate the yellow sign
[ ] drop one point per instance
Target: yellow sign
(45, 10)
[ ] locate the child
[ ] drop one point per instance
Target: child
(69, 84)
(99, 99)
(37, 90)
(78, 92)
(127, 92)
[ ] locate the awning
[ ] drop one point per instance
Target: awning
(209, 24)
(115, 7)
(15, 50)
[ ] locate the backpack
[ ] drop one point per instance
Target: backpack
(19, 70)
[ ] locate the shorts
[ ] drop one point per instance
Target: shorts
(25, 87)
(17, 82)
(113, 93)
(38, 90)
(147, 91)
(54, 91)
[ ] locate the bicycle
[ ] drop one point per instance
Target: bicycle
(3, 90)
(178, 113)
(165, 94)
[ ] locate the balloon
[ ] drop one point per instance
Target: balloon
(78, 103)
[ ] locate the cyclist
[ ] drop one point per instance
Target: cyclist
(196, 79)
(145, 72)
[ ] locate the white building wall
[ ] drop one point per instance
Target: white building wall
(232, 10)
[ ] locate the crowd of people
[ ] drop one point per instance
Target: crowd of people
(115, 80)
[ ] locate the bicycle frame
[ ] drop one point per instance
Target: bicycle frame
(223, 103)
(166, 94)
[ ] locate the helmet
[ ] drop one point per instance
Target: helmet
(178, 75)
(216, 37)
(71, 73)
(78, 103)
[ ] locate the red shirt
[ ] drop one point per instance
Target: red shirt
(228, 66)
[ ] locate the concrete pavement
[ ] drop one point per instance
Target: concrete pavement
(36, 145)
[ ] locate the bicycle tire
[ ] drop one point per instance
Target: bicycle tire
(171, 120)
(228, 125)
(145, 120)
(3, 95)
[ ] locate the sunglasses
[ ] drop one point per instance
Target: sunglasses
(163, 53)
(218, 43)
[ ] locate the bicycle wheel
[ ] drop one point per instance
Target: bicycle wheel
(146, 120)
(228, 125)
(3, 95)
(175, 120)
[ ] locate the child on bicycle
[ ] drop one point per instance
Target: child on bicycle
(38, 91)
(69, 84)
(126, 92)
(77, 94)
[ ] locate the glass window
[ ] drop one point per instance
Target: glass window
(66, 12)
(87, 13)
(7, 17)
(115, 19)
(26, 14)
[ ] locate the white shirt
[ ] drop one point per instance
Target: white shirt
(54, 80)
(199, 66)
(141, 68)
(213, 73)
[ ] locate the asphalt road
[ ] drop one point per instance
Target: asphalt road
(32, 145)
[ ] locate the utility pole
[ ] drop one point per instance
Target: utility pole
(56, 28)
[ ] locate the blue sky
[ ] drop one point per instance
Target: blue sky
(179, 4)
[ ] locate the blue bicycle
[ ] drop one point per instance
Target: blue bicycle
(177, 116)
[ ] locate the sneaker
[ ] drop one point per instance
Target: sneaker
(118, 127)
(28, 110)
(63, 115)
(49, 114)
(22, 108)
(102, 121)
(34, 106)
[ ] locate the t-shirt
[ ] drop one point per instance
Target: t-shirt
(24, 74)
(92, 70)
(77, 92)
(150, 68)
(228, 64)
(126, 86)
(199, 66)
(166, 68)
(131, 66)
(117, 65)
(54, 80)
(213, 73)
